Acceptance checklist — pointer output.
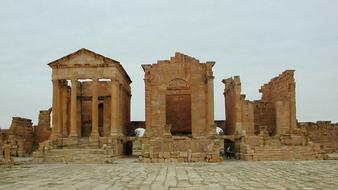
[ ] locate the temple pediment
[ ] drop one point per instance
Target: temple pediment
(83, 58)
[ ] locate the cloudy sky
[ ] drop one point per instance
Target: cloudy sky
(256, 39)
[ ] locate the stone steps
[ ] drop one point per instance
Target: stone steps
(72, 155)
(284, 153)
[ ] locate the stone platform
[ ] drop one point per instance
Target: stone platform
(235, 175)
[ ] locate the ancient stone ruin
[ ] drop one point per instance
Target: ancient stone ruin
(91, 105)
(266, 129)
(179, 97)
(89, 121)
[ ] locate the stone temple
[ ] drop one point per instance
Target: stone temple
(89, 120)
(179, 97)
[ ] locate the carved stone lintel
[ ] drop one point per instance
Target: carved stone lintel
(178, 84)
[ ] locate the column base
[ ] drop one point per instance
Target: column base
(71, 140)
(94, 140)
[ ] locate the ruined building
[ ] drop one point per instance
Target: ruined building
(91, 103)
(266, 129)
(179, 100)
(89, 121)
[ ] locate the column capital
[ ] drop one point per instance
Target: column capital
(55, 81)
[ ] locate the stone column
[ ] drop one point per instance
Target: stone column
(55, 108)
(210, 101)
(293, 119)
(73, 109)
(64, 108)
(114, 107)
(106, 117)
(147, 90)
(60, 108)
(120, 110)
(95, 111)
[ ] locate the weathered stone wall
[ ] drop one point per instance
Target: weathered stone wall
(43, 130)
(20, 135)
(266, 129)
(265, 115)
(181, 149)
(277, 107)
(324, 133)
(181, 75)
(239, 112)
(180, 111)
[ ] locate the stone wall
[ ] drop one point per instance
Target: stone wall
(181, 149)
(239, 113)
(42, 131)
(20, 136)
(277, 107)
(180, 111)
(266, 129)
(324, 133)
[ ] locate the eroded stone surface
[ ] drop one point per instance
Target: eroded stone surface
(125, 175)
(179, 111)
(266, 129)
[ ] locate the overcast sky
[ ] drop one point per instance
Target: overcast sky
(256, 39)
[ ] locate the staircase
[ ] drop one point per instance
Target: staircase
(270, 153)
(83, 152)
(76, 156)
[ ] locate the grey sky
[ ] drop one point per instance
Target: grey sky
(256, 39)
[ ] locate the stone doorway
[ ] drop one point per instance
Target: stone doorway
(178, 113)
(229, 144)
(128, 148)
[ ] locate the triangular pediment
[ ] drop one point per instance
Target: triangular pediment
(83, 57)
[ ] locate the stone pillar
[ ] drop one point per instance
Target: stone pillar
(95, 112)
(147, 85)
(114, 107)
(293, 119)
(73, 109)
(210, 98)
(128, 106)
(60, 108)
(282, 118)
(120, 110)
(106, 117)
(55, 108)
(211, 101)
(64, 109)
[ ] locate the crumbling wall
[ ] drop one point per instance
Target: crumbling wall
(43, 130)
(324, 133)
(267, 127)
(239, 112)
(20, 135)
(277, 107)
(265, 116)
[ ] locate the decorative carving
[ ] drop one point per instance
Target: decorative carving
(178, 84)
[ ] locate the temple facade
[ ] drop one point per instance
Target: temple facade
(91, 102)
(179, 107)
